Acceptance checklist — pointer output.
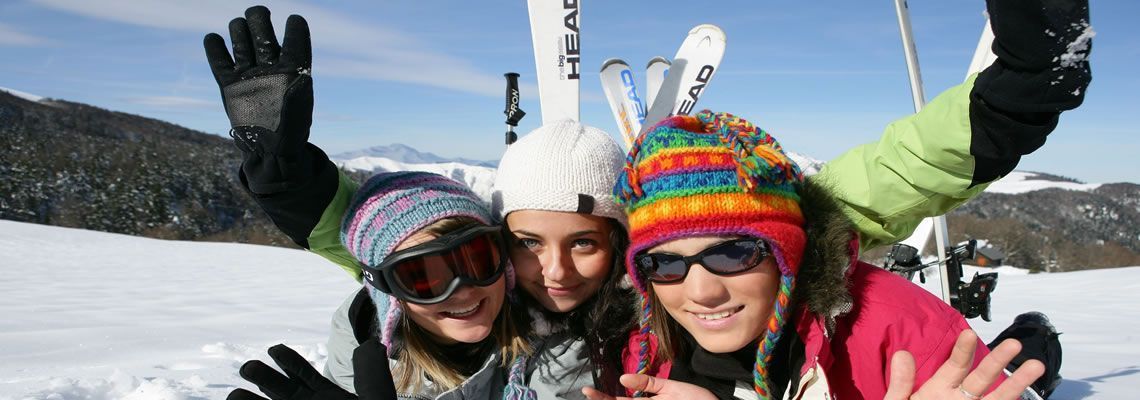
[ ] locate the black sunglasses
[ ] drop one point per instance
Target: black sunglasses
(430, 272)
(727, 258)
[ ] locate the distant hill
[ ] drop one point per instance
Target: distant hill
(74, 165)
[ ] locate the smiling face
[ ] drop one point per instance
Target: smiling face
(467, 316)
(723, 313)
(561, 258)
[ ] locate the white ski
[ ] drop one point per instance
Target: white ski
(554, 30)
(621, 92)
(654, 75)
(693, 68)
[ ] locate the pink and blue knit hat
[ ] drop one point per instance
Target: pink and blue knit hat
(392, 206)
(713, 174)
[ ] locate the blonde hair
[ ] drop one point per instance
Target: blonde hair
(420, 360)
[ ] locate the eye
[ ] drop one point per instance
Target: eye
(528, 243)
(584, 243)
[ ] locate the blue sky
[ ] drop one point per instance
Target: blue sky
(429, 73)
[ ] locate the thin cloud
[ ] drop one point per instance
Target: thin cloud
(10, 36)
(175, 102)
(345, 46)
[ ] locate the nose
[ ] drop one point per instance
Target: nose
(705, 288)
(558, 265)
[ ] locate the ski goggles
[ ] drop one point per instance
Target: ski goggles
(727, 258)
(429, 273)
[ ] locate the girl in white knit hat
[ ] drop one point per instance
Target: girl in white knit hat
(565, 237)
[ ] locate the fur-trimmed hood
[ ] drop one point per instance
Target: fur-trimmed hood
(822, 283)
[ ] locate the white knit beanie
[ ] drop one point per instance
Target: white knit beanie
(561, 166)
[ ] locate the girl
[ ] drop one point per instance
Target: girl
(436, 271)
(749, 277)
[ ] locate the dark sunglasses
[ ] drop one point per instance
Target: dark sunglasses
(429, 273)
(727, 258)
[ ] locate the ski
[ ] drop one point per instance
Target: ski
(554, 30)
(621, 92)
(655, 74)
(693, 68)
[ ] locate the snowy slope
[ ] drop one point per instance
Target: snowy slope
(91, 315)
(94, 316)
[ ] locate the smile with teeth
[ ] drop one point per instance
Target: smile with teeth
(463, 312)
(717, 315)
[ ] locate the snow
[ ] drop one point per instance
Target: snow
(98, 316)
(22, 95)
(1078, 50)
(91, 315)
(1022, 182)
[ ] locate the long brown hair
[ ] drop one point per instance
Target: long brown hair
(420, 361)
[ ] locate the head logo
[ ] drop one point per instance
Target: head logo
(631, 94)
(695, 92)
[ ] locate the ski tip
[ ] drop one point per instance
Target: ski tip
(708, 31)
(658, 60)
(613, 61)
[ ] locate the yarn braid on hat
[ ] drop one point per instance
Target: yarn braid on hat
(713, 174)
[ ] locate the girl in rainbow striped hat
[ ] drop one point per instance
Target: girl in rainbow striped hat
(750, 284)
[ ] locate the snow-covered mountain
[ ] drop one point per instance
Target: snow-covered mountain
(92, 316)
(1025, 181)
(22, 95)
(409, 155)
(478, 178)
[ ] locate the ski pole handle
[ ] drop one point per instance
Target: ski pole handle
(513, 111)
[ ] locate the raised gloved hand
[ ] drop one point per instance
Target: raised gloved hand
(1042, 48)
(372, 381)
(268, 95)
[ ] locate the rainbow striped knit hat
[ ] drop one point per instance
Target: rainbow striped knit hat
(710, 175)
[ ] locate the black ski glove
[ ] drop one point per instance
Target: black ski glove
(1042, 48)
(1042, 69)
(268, 95)
(302, 382)
(372, 377)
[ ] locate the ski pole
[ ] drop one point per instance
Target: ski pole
(513, 112)
(941, 235)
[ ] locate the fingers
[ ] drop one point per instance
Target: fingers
(243, 45)
(902, 376)
(221, 65)
(373, 377)
(991, 367)
(297, 367)
(297, 48)
(242, 394)
(594, 394)
(951, 373)
(1013, 386)
(643, 383)
(264, 40)
(267, 379)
